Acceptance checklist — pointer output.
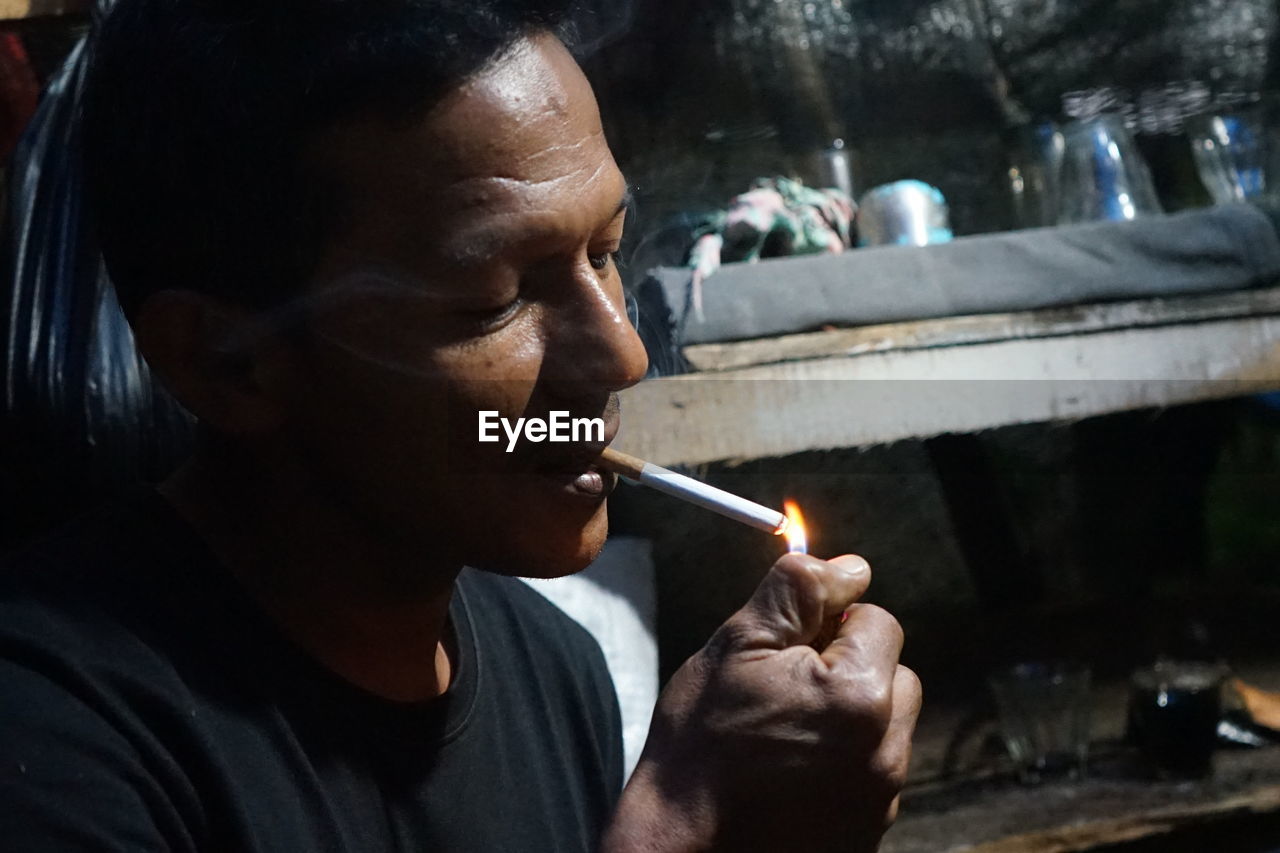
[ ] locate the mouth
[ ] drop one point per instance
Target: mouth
(573, 468)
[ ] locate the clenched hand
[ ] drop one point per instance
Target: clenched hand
(763, 742)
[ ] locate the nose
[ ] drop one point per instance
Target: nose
(591, 344)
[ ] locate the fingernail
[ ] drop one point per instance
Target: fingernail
(852, 565)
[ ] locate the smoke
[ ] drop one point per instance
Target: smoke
(595, 24)
(367, 315)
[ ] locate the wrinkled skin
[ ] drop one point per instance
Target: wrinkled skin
(762, 742)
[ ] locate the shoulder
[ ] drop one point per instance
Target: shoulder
(106, 570)
(78, 660)
(113, 537)
(105, 609)
(63, 583)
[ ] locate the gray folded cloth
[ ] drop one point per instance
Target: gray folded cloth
(1216, 249)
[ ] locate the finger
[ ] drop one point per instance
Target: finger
(794, 599)
(895, 748)
(831, 624)
(892, 761)
(866, 647)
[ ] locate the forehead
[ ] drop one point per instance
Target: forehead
(519, 145)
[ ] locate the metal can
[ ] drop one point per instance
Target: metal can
(904, 213)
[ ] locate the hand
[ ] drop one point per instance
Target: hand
(762, 742)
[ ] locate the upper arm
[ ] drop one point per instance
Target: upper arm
(70, 779)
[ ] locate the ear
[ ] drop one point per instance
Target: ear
(205, 352)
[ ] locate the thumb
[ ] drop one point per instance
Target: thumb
(794, 600)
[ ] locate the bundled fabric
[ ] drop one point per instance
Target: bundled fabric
(81, 413)
(776, 218)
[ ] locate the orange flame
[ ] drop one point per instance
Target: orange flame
(794, 530)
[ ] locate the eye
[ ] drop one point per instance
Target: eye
(600, 262)
(494, 318)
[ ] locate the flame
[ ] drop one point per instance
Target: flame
(794, 529)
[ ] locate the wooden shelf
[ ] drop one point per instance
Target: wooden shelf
(978, 812)
(21, 10)
(1160, 814)
(876, 385)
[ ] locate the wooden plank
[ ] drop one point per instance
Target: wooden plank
(1111, 807)
(1087, 836)
(953, 331)
(881, 397)
(15, 10)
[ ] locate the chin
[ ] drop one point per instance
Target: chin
(544, 554)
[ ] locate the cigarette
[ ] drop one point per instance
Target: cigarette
(693, 491)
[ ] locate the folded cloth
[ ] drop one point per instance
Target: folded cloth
(1216, 249)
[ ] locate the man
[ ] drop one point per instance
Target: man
(342, 230)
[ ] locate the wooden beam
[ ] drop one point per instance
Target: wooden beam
(17, 10)
(1089, 836)
(982, 328)
(884, 396)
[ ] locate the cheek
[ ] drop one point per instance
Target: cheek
(430, 389)
(497, 373)
(511, 354)
(406, 444)
(375, 426)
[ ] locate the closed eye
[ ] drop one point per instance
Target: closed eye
(600, 262)
(491, 319)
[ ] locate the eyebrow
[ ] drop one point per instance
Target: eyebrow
(491, 244)
(626, 205)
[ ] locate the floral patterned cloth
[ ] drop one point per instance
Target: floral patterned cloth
(777, 217)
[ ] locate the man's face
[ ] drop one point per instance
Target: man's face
(472, 273)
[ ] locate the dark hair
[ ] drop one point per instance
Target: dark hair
(196, 113)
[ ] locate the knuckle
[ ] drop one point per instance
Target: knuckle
(740, 631)
(891, 773)
(882, 622)
(796, 572)
(729, 636)
(911, 685)
(867, 704)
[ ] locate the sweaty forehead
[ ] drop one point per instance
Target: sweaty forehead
(519, 133)
(522, 113)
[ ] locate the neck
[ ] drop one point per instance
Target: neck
(373, 612)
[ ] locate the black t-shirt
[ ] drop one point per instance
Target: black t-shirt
(146, 704)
